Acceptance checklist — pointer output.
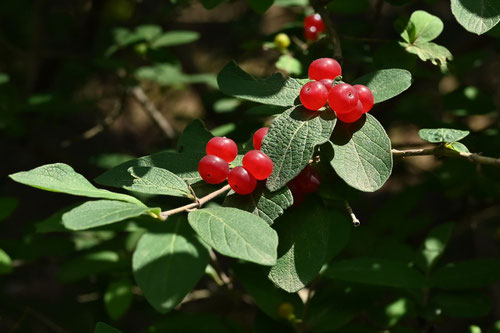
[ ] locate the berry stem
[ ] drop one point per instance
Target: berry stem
(319, 7)
(355, 220)
(195, 205)
(441, 151)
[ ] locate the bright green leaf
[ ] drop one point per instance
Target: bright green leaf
(437, 135)
(467, 274)
(148, 31)
(291, 140)
(62, 178)
(102, 212)
(5, 263)
(458, 147)
(437, 54)
(153, 180)
(224, 105)
(267, 205)
(422, 27)
(118, 298)
(386, 83)
(168, 263)
(236, 233)
(172, 75)
(435, 244)
(173, 38)
(362, 154)
(476, 16)
(379, 272)
(274, 90)
(289, 64)
(105, 328)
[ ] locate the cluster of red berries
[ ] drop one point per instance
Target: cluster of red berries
(348, 102)
(214, 167)
(313, 27)
(307, 181)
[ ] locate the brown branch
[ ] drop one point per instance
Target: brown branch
(355, 220)
(148, 106)
(320, 8)
(196, 204)
(441, 151)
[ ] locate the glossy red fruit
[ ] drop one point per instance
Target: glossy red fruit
(352, 116)
(213, 169)
(324, 68)
(313, 95)
(365, 96)
(222, 147)
(297, 194)
(258, 136)
(241, 181)
(343, 98)
(314, 20)
(308, 180)
(258, 164)
(328, 83)
(311, 33)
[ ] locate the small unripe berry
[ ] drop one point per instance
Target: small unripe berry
(222, 147)
(343, 98)
(258, 164)
(313, 95)
(241, 181)
(259, 136)
(365, 96)
(282, 41)
(324, 68)
(213, 169)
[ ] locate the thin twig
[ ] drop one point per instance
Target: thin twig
(319, 7)
(148, 106)
(197, 204)
(355, 220)
(222, 275)
(441, 151)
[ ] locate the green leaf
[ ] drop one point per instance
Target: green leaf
(340, 233)
(289, 64)
(260, 6)
(437, 54)
(172, 75)
(184, 165)
(153, 180)
(4, 78)
(274, 90)
(463, 305)
(225, 105)
(379, 272)
(467, 274)
(386, 83)
(435, 244)
(118, 298)
(476, 16)
(302, 249)
(105, 328)
(90, 264)
(291, 140)
(458, 147)
(173, 38)
(437, 135)
(167, 264)
(422, 27)
(236, 233)
(5, 263)
(266, 296)
(362, 154)
(7, 206)
(194, 138)
(62, 178)
(267, 205)
(148, 31)
(93, 214)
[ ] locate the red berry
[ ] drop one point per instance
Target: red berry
(352, 116)
(258, 136)
(328, 83)
(222, 147)
(241, 181)
(213, 169)
(311, 33)
(258, 164)
(343, 98)
(324, 68)
(307, 180)
(365, 96)
(313, 95)
(314, 20)
(297, 194)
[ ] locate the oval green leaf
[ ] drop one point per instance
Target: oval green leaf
(386, 83)
(476, 16)
(153, 180)
(437, 135)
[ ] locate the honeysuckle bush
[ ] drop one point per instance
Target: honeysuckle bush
(304, 267)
